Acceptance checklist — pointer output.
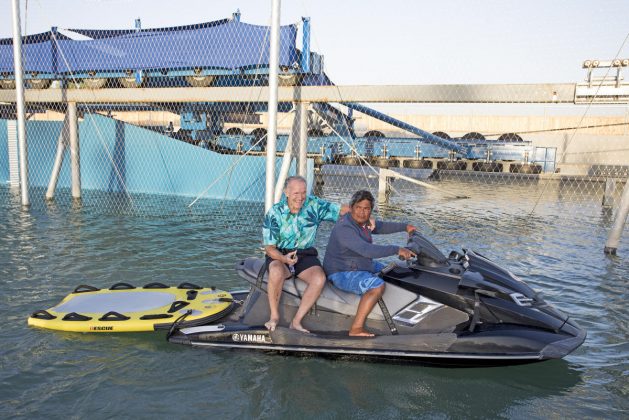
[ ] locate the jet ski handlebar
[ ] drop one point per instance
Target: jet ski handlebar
(427, 253)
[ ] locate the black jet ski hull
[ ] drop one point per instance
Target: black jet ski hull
(432, 349)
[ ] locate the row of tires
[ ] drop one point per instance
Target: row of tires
(130, 81)
(471, 136)
(101, 82)
(447, 165)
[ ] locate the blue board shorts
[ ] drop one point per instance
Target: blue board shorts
(358, 282)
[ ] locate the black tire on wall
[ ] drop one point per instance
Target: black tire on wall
(381, 162)
(94, 82)
(130, 82)
(200, 81)
(487, 166)
(418, 164)
(452, 165)
(38, 83)
(350, 160)
(510, 137)
(525, 168)
(7, 83)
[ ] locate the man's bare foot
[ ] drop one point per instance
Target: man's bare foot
(299, 328)
(271, 324)
(359, 332)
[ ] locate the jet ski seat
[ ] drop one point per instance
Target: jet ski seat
(332, 298)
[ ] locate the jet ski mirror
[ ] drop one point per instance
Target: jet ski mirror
(427, 254)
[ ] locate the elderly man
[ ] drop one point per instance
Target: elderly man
(289, 232)
(349, 256)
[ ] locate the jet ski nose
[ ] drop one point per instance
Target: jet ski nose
(561, 348)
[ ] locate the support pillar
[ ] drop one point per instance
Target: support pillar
(271, 145)
(14, 156)
(608, 197)
(287, 160)
(302, 159)
(19, 102)
(75, 160)
(56, 169)
(384, 185)
(619, 222)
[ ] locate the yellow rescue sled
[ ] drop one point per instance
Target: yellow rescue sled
(125, 308)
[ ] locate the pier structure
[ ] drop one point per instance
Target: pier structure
(209, 94)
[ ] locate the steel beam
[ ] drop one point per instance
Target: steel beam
(613, 239)
(20, 100)
(272, 95)
(61, 147)
(302, 159)
(75, 159)
(486, 93)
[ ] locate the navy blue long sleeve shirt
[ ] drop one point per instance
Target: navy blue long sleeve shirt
(350, 246)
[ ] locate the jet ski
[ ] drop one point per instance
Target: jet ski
(459, 310)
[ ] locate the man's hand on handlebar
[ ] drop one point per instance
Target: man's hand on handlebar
(405, 254)
(410, 229)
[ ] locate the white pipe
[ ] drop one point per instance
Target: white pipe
(271, 143)
(19, 100)
(286, 162)
(61, 146)
(302, 165)
(75, 159)
(608, 196)
(619, 222)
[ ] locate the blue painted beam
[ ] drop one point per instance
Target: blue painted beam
(426, 136)
(305, 50)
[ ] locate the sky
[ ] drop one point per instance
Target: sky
(393, 41)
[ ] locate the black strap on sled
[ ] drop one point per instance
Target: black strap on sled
(387, 316)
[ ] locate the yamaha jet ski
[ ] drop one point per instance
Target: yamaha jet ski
(462, 309)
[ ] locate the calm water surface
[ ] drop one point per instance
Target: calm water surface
(557, 248)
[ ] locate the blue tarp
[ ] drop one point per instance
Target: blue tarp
(109, 33)
(232, 45)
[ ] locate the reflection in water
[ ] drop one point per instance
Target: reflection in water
(316, 388)
(46, 252)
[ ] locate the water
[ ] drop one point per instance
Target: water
(556, 248)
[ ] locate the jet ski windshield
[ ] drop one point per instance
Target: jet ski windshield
(427, 254)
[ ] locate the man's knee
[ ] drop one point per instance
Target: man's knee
(315, 276)
(319, 280)
(319, 277)
(377, 292)
(277, 271)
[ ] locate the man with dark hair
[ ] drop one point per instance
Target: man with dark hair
(289, 232)
(349, 256)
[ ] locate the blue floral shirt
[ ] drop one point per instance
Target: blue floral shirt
(297, 231)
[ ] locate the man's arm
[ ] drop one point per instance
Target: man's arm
(328, 211)
(392, 227)
(350, 239)
(272, 251)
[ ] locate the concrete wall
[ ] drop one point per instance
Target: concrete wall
(577, 153)
(458, 125)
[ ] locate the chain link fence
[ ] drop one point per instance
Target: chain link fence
(206, 158)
